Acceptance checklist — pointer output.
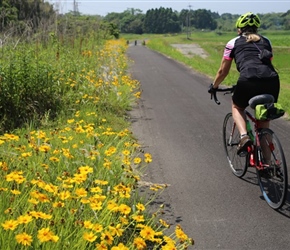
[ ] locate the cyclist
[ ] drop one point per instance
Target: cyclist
(252, 54)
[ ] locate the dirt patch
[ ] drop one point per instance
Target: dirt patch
(190, 50)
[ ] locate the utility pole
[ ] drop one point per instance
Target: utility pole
(75, 7)
(188, 21)
(58, 7)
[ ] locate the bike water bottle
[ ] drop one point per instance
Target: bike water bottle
(249, 130)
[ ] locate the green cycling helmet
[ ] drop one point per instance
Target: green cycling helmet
(248, 19)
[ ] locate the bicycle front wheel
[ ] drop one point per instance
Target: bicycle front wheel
(231, 139)
(273, 180)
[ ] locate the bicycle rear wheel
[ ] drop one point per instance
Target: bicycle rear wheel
(273, 180)
(231, 138)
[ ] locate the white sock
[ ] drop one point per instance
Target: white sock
(243, 135)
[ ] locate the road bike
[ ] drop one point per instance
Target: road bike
(266, 155)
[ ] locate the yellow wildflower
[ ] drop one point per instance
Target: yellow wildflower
(70, 121)
(81, 192)
(96, 190)
(12, 137)
(54, 159)
(24, 239)
(140, 207)
(126, 152)
(117, 230)
(147, 233)
(33, 201)
(58, 204)
(88, 224)
(40, 215)
(15, 191)
(139, 243)
(80, 178)
(101, 182)
(16, 176)
(85, 169)
(107, 237)
(107, 164)
(96, 205)
(180, 234)
(164, 223)
(50, 188)
(3, 165)
(137, 160)
(45, 166)
(8, 211)
(121, 246)
(27, 154)
(124, 220)
(64, 195)
(89, 236)
(138, 218)
(45, 235)
(110, 151)
(44, 148)
(102, 246)
(10, 224)
(97, 227)
(24, 219)
(124, 209)
(169, 246)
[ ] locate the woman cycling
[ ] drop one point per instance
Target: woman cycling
(252, 54)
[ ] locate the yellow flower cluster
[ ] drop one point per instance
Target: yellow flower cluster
(74, 187)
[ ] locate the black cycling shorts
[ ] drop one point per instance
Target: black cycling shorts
(245, 90)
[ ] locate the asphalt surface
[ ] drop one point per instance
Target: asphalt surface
(181, 127)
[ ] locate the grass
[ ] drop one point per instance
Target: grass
(213, 43)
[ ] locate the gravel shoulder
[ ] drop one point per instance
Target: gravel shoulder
(190, 50)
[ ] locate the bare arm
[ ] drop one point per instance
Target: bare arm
(222, 72)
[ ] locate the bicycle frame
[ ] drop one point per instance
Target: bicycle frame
(255, 151)
(265, 155)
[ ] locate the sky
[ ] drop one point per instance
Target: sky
(103, 7)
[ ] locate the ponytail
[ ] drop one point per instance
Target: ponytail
(250, 37)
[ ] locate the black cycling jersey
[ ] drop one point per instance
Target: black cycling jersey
(246, 56)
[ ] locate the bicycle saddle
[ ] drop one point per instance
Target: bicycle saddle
(261, 99)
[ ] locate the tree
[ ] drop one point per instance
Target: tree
(24, 13)
(161, 21)
(202, 19)
(8, 14)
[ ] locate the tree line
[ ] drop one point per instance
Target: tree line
(165, 20)
(23, 15)
(34, 19)
(27, 17)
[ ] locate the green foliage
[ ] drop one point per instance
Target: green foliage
(27, 88)
(160, 21)
(199, 19)
(14, 14)
(163, 21)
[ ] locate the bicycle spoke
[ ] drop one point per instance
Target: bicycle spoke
(273, 179)
(231, 140)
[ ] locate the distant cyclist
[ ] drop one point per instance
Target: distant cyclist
(253, 55)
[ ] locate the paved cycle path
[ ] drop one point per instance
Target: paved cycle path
(176, 122)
